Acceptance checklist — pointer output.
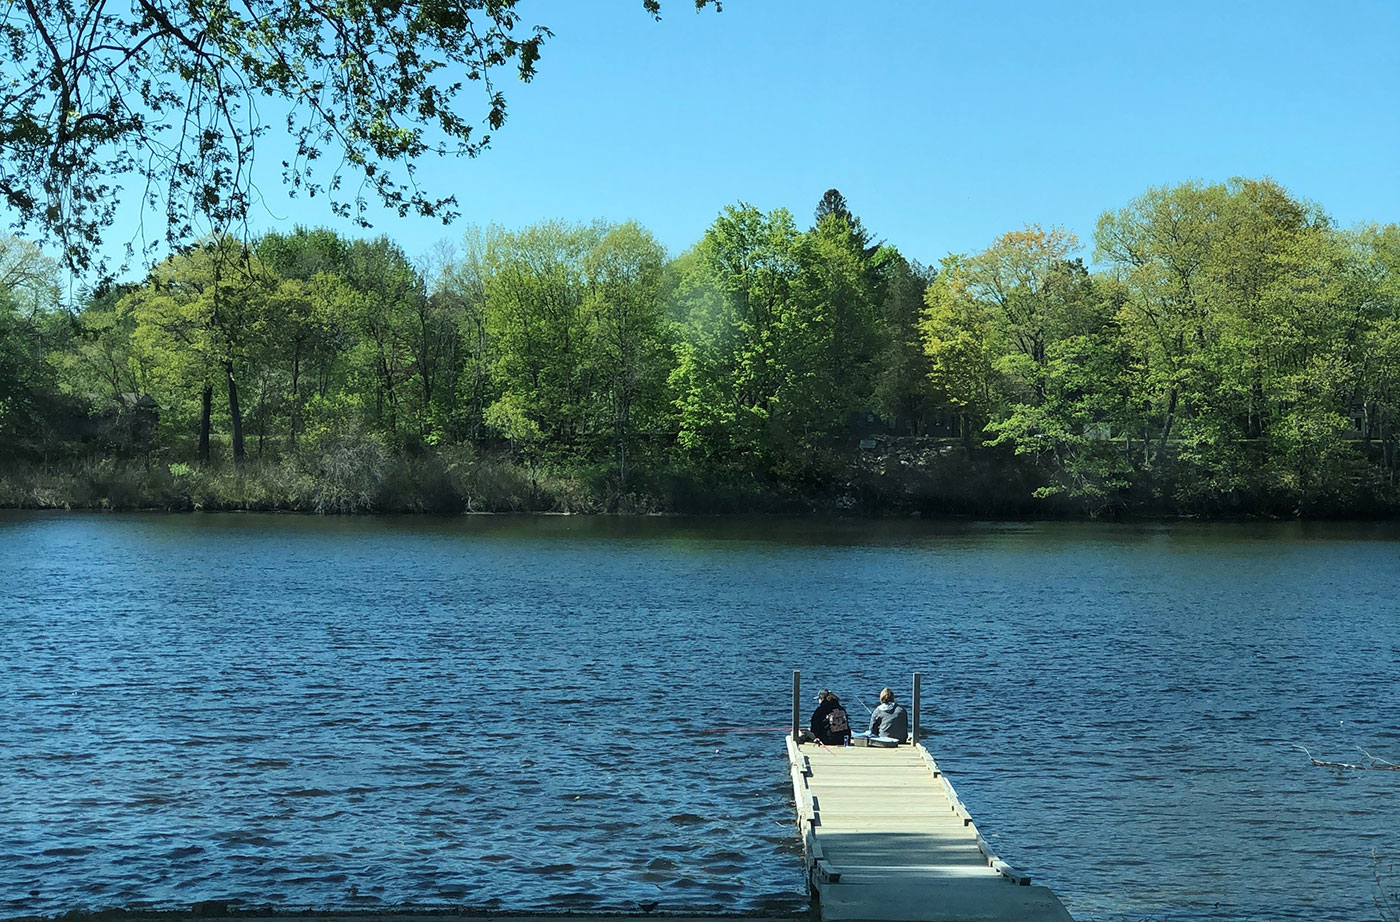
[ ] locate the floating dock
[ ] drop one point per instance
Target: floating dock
(887, 840)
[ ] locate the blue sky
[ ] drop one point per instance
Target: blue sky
(944, 124)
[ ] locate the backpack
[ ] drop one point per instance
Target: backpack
(836, 722)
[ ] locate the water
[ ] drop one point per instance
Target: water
(517, 713)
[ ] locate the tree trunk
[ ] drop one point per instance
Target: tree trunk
(235, 416)
(296, 396)
(1167, 426)
(621, 422)
(206, 402)
(387, 388)
(262, 416)
(622, 463)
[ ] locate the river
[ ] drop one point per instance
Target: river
(532, 713)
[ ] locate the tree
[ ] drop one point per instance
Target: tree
(1084, 398)
(388, 305)
(1160, 247)
(197, 323)
(461, 281)
(833, 204)
(99, 362)
(28, 278)
(1028, 349)
(624, 297)
(828, 338)
(1251, 316)
(167, 93)
(539, 330)
(731, 301)
(902, 394)
(1026, 280)
(955, 333)
(778, 339)
(311, 316)
(28, 390)
(1377, 279)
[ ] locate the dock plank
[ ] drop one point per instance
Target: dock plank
(888, 839)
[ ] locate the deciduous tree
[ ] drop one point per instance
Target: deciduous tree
(629, 355)
(197, 322)
(165, 96)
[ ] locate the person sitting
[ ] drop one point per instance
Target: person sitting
(830, 723)
(890, 720)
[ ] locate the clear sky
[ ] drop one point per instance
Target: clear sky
(944, 124)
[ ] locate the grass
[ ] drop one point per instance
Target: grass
(358, 478)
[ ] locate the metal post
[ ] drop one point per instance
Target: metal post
(796, 705)
(914, 716)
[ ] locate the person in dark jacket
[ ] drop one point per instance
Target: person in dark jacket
(830, 723)
(890, 719)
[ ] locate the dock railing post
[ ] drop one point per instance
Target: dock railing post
(914, 708)
(796, 706)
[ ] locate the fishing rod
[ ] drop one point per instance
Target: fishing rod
(867, 710)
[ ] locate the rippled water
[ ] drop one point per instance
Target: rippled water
(520, 713)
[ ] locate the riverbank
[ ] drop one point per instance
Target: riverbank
(364, 480)
(926, 477)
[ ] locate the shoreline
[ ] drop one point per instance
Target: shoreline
(215, 909)
(810, 515)
(895, 484)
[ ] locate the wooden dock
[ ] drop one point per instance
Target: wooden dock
(886, 838)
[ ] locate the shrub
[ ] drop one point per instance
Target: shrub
(348, 475)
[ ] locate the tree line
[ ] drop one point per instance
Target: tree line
(1226, 348)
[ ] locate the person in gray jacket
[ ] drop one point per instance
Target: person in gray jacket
(890, 719)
